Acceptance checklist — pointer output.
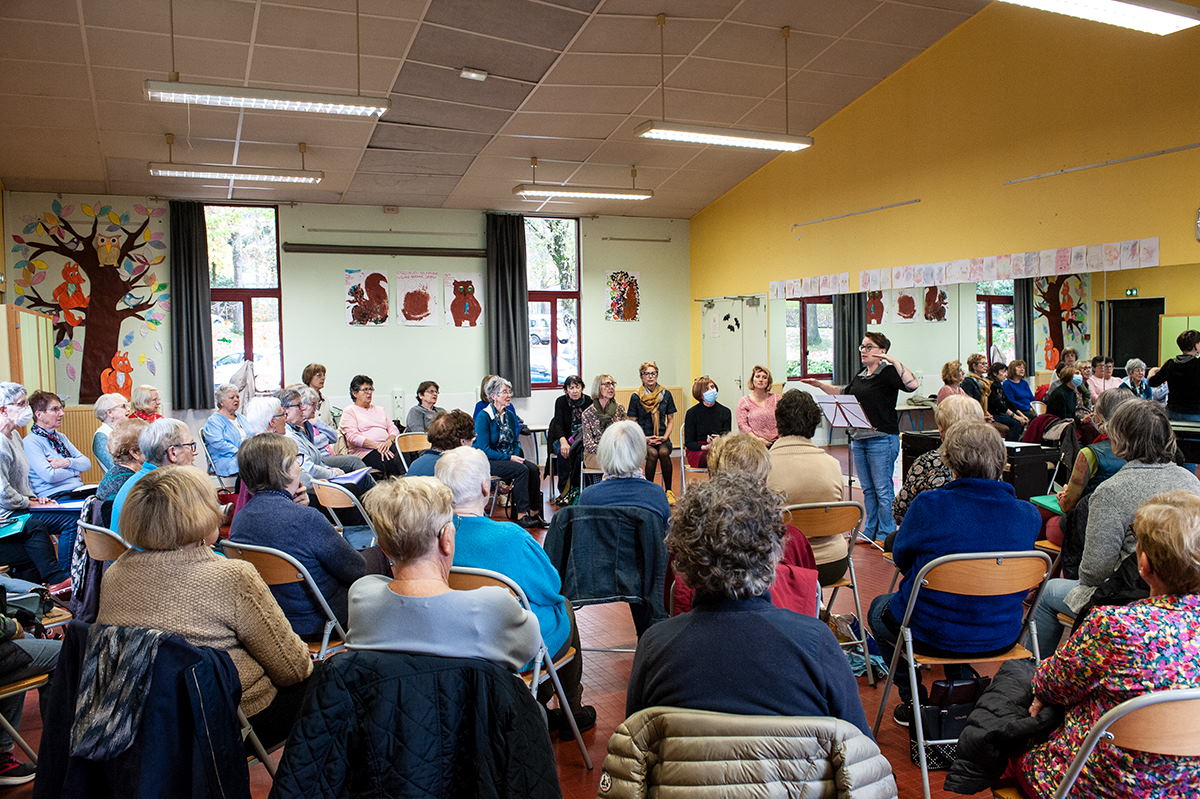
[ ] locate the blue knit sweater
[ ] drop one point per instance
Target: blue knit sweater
(966, 515)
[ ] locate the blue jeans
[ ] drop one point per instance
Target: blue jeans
(1045, 618)
(874, 463)
(44, 652)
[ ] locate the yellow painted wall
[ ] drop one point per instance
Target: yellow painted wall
(1179, 285)
(1011, 93)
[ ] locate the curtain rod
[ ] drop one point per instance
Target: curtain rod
(359, 249)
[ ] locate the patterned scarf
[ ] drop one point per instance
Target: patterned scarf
(577, 407)
(505, 444)
(650, 400)
(54, 440)
(117, 667)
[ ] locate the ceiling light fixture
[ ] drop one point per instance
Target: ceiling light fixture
(1149, 16)
(547, 190)
(257, 174)
(473, 74)
(174, 91)
(709, 134)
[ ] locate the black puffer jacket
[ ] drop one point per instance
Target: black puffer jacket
(392, 724)
(1000, 727)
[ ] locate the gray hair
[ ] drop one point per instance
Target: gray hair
(106, 403)
(259, 414)
(1108, 402)
(1134, 363)
(223, 389)
(973, 448)
(309, 395)
(464, 470)
(160, 436)
(288, 396)
(1140, 431)
(11, 392)
(727, 536)
(495, 386)
(622, 449)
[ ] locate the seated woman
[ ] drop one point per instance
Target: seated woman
(806, 473)
(929, 470)
(1137, 381)
(1017, 390)
(225, 431)
(110, 409)
(426, 410)
(975, 385)
(126, 456)
(312, 461)
(55, 464)
(936, 524)
(568, 423)
(173, 581)
(322, 435)
(997, 404)
(483, 397)
(622, 455)
(483, 543)
(952, 376)
(596, 418)
(450, 430)
(369, 430)
(1070, 400)
(1119, 653)
(1140, 434)
(167, 442)
(704, 422)
(653, 407)
(21, 656)
(756, 410)
(265, 415)
(416, 610)
(313, 377)
(145, 403)
(270, 470)
(735, 652)
(498, 435)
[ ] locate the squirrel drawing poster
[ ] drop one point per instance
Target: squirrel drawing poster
(367, 298)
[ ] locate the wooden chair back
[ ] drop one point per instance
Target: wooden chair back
(408, 443)
(102, 543)
(332, 495)
(273, 569)
(993, 576)
(1170, 727)
(818, 520)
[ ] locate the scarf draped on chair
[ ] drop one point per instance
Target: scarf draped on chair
(650, 400)
(55, 441)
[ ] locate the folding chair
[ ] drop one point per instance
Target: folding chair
(102, 543)
(685, 469)
(467, 579)
(1068, 449)
(225, 482)
(22, 687)
(333, 496)
(822, 519)
(277, 567)
(967, 574)
(260, 751)
(1160, 723)
(408, 443)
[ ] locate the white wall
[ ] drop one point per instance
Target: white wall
(924, 346)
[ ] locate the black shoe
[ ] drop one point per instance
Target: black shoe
(902, 715)
(585, 719)
(530, 522)
(14, 772)
(555, 718)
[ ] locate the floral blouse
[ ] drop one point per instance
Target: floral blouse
(927, 472)
(1119, 653)
(594, 426)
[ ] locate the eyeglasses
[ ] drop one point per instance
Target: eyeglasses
(645, 374)
(278, 415)
(866, 347)
(293, 405)
(189, 444)
(608, 383)
(367, 389)
(300, 459)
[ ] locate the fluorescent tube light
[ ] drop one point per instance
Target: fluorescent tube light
(257, 174)
(727, 137)
(265, 99)
(580, 192)
(473, 74)
(1149, 16)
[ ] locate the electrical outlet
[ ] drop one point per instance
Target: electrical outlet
(398, 407)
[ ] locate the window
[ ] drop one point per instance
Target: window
(994, 311)
(809, 338)
(243, 257)
(552, 266)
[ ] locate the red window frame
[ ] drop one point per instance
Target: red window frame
(552, 298)
(990, 300)
(824, 299)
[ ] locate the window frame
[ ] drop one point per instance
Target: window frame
(991, 300)
(246, 295)
(823, 299)
(552, 297)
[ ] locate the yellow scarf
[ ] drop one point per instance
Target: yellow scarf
(650, 400)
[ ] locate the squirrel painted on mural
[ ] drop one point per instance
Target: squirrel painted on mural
(465, 308)
(369, 302)
(118, 379)
(70, 295)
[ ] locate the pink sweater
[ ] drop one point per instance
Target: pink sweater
(949, 391)
(360, 424)
(758, 420)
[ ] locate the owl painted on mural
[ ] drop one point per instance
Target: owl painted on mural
(108, 249)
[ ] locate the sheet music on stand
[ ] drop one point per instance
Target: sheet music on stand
(843, 412)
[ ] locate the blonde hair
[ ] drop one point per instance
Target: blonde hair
(975, 360)
(1167, 528)
(956, 408)
(170, 507)
(139, 398)
(758, 368)
(739, 453)
(123, 440)
(409, 515)
(596, 385)
(950, 370)
(973, 448)
(652, 364)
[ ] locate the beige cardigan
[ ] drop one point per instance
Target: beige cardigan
(209, 601)
(674, 753)
(806, 473)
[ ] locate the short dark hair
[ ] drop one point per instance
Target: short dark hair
(996, 369)
(358, 381)
(425, 385)
(1187, 340)
(1097, 360)
(881, 341)
(700, 385)
(40, 400)
(311, 371)
(573, 380)
(264, 460)
(1141, 431)
(449, 430)
(797, 414)
(1070, 351)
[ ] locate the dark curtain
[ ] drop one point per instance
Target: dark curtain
(191, 319)
(507, 310)
(1023, 315)
(849, 324)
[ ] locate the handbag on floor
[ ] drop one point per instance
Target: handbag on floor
(944, 716)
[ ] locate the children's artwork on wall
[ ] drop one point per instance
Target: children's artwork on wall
(936, 308)
(875, 307)
(462, 292)
(418, 298)
(906, 305)
(366, 298)
(1061, 308)
(107, 266)
(624, 296)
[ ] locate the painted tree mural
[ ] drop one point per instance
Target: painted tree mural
(1061, 301)
(106, 275)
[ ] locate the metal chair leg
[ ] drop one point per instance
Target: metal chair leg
(16, 737)
(916, 712)
(566, 706)
(862, 624)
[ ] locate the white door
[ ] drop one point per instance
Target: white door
(733, 340)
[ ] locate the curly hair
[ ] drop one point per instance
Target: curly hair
(727, 536)
(449, 430)
(797, 414)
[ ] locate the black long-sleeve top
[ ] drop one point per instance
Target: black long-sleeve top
(1183, 373)
(702, 421)
(567, 422)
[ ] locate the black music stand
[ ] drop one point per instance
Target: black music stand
(843, 412)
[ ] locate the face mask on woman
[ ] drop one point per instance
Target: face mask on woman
(23, 418)
(710, 396)
(1077, 381)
